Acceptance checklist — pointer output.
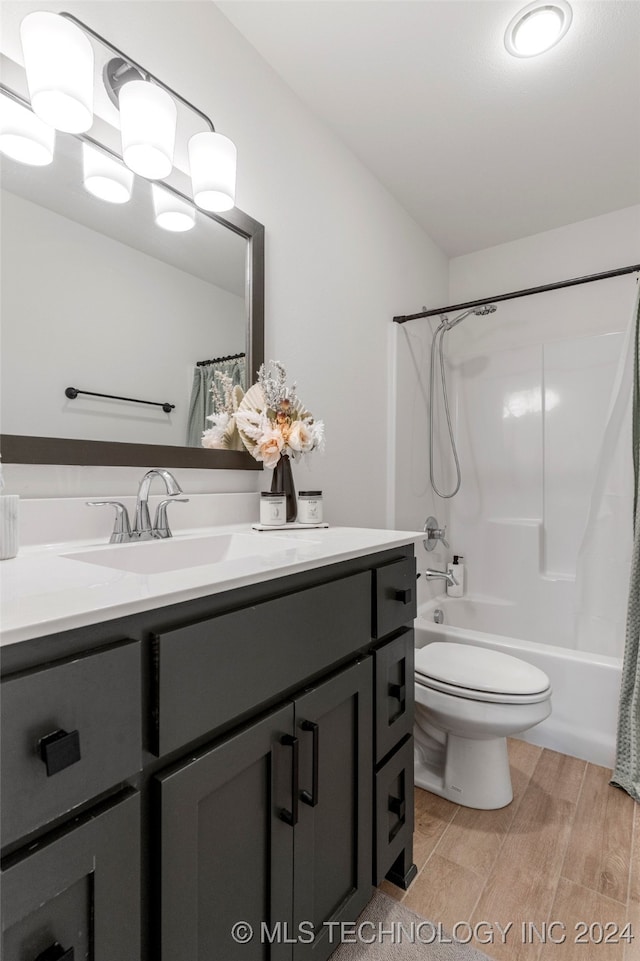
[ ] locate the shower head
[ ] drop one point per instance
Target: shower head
(485, 309)
(478, 311)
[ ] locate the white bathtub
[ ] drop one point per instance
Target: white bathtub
(585, 686)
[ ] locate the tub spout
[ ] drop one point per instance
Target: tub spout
(443, 575)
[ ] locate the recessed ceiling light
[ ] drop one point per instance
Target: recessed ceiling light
(537, 27)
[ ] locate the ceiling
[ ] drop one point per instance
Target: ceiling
(480, 147)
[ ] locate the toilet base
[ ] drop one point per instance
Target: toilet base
(468, 771)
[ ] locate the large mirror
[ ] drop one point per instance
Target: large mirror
(97, 299)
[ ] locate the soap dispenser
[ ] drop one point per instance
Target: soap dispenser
(457, 569)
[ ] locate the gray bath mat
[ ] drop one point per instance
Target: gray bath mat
(387, 931)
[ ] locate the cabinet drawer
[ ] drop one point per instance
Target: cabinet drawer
(394, 596)
(394, 692)
(394, 809)
(220, 669)
(95, 701)
(78, 889)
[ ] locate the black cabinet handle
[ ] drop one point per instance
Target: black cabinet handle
(405, 595)
(397, 691)
(291, 817)
(397, 806)
(60, 750)
(56, 953)
(312, 799)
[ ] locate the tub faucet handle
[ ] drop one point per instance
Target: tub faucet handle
(434, 534)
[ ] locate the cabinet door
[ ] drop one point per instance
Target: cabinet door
(332, 860)
(226, 849)
(76, 893)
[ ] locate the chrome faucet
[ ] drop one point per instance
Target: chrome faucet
(445, 575)
(142, 525)
(142, 528)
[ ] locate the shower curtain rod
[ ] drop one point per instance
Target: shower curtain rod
(519, 293)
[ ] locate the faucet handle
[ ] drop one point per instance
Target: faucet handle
(161, 523)
(121, 528)
(434, 534)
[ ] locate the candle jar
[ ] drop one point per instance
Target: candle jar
(273, 508)
(310, 507)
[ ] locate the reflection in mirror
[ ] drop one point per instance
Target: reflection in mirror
(111, 305)
(98, 297)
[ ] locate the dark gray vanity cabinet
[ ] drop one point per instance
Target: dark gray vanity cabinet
(243, 758)
(271, 828)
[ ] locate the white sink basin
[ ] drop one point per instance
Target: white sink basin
(162, 556)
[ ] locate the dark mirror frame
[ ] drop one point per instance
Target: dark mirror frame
(20, 449)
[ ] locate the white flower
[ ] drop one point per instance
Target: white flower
(269, 448)
(219, 420)
(213, 438)
(301, 437)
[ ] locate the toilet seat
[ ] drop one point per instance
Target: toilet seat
(479, 674)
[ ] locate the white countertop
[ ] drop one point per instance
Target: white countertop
(45, 592)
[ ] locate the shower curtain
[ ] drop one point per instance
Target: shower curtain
(627, 770)
(200, 405)
(604, 558)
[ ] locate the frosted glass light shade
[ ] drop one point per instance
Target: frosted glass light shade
(171, 212)
(23, 136)
(212, 159)
(104, 177)
(58, 59)
(148, 117)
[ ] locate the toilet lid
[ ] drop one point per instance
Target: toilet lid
(479, 669)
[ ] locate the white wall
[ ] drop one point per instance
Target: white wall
(342, 257)
(532, 387)
(123, 314)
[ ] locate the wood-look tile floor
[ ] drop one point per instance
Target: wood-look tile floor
(566, 850)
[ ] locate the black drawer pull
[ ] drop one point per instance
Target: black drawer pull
(405, 595)
(397, 691)
(291, 817)
(312, 798)
(397, 806)
(60, 750)
(56, 953)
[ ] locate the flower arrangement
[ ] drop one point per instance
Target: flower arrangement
(269, 420)
(223, 433)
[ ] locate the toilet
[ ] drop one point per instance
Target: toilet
(468, 701)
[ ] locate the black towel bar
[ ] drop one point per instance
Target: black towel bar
(72, 393)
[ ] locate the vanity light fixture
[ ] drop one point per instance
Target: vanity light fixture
(212, 158)
(171, 212)
(58, 59)
(538, 27)
(59, 62)
(148, 118)
(23, 136)
(105, 177)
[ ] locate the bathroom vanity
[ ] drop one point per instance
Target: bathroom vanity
(192, 758)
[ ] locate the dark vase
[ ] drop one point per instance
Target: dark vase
(283, 481)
